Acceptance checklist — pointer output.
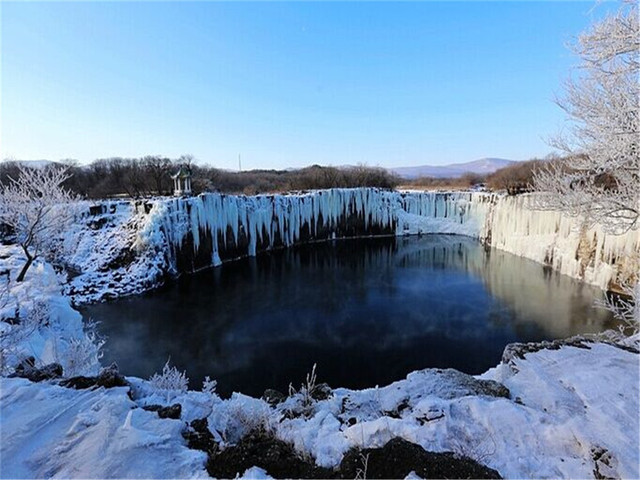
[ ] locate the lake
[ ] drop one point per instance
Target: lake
(366, 311)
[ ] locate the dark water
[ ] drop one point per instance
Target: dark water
(366, 311)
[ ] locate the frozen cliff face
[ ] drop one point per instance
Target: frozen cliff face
(461, 213)
(206, 230)
(126, 248)
(564, 243)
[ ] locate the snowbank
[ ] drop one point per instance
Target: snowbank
(37, 320)
(572, 413)
(51, 431)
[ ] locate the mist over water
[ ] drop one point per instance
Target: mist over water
(367, 311)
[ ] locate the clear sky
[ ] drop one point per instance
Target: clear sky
(285, 84)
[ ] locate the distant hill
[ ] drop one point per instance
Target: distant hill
(482, 166)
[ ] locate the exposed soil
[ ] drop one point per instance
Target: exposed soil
(399, 457)
(396, 459)
(278, 458)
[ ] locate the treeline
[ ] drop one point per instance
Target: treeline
(151, 175)
(515, 178)
(465, 181)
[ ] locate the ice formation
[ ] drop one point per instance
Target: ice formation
(146, 241)
(246, 225)
(564, 243)
(226, 226)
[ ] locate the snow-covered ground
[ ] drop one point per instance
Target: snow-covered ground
(37, 320)
(572, 411)
(576, 414)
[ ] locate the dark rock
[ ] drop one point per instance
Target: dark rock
(152, 408)
(278, 458)
(352, 421)
(199, 437)
(97, 224)
(173, 411)
(273, 397)
(403, 405)
(125, 257)
(15, 320)
(399, 457)
(97, 209)
(79, 383)
(48, 372)
(320, 392)
(26, 363)
(110, 377)
(493, 389)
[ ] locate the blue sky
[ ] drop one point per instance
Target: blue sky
(285, 84)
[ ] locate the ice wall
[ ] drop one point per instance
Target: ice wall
(564, 243)
(202, 231)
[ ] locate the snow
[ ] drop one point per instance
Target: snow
(574, 400)
(51, 340)
(255, 473)
(54, 432)
(574, 405)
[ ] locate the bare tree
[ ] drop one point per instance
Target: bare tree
(35, 206)
(600, 178)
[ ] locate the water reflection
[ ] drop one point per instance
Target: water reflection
(367, 311)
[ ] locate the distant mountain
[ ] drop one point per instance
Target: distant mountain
(481, 166)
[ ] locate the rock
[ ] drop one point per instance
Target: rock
(449, 383)
(273, 397)
(152, 408)
(28, 371)
(52, 370)
(399, 457)
(26, 363)
(110, 377)
(199, 437)
(259, 449)
(79, 383)
(320, 392)
(173, 411)
(515, 351)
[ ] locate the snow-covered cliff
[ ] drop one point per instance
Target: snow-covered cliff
(173, 236)
(208, 229)
(564, 243)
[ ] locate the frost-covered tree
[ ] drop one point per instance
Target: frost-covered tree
(600, 177)
(37, 208)
(599, 180)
